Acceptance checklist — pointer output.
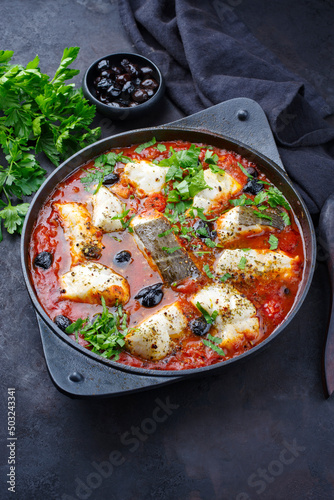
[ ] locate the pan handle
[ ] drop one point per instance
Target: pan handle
(239, 119)
(80, 376)
(326, 241)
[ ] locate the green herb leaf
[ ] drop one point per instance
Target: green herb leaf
(245, 171)
(242, 263)
(170, 249)
(273, 242)
(161, 148)
(214, 347)
(285, 218)
(208, 318)
(145, 145)
(226, 277)
(241, 201)
(207, 271)
(262, 215)
(105, 334)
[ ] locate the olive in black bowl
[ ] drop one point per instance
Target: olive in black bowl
(123, 85)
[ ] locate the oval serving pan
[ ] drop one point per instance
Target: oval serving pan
(239, 125)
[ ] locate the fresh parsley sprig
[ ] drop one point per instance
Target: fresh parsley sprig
(37, 115)
(103, 165)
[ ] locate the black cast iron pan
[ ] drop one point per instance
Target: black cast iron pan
(239, 125)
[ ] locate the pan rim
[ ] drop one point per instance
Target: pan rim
(309, 264)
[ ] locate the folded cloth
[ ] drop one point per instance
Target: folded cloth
(207, 55)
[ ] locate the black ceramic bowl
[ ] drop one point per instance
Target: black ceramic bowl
(126, 112)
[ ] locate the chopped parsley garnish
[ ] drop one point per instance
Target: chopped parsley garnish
(213, 346)
(242, 263)
(245, 249)
(226, 277)
(170, 249)
(273, 242)
(145, 145)
(104, 165)
(207, 271)
(262, 216)
(285, 218)
(106, 334)
(245, 171)
(161, 148)
(165, 233)
(241, 201)
(209, 318)
(125, 220)
(210, 243)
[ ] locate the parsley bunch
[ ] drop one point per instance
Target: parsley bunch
(38, 115)
(106, 334)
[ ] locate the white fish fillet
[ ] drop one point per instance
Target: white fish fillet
(145, 176)
(88, 282)
(223, 186)
(228, 226)
(257, 263)
(151, 339)
(85, 239)
(106, 206)
(236, 314)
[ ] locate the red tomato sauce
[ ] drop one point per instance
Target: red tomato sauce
(273, 299)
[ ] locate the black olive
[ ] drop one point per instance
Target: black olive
(105, 73)
(150, 92)
(115, 104)
(139, 95)
(150, 83)
(97, 80)
(146, 71)
(116, 70)
(128, 87)
(133, 104)
(253, 187)
(151, 295)
(62, 322)
(137, 81)
(122, 257)
(199, 326)
(113, 91)
(104, 64)
(43, 260)
(122, 79)
(103, 84)
(286, 291)
(202, 229)
(111, 178)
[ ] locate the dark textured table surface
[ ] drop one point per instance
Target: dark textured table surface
(259, 430)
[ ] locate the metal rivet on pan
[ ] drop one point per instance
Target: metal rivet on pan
(242, 115)
(76, 377)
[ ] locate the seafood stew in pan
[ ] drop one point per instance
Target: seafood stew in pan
(167, 256)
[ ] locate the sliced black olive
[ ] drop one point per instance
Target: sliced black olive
(199, 326)
(62, 322)
(111, 178)
(202, 229)
(150, 83)
(286, 291)
(151, 295)
(122, 257)
(104, 64)
(253, 187)
(43, 260)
